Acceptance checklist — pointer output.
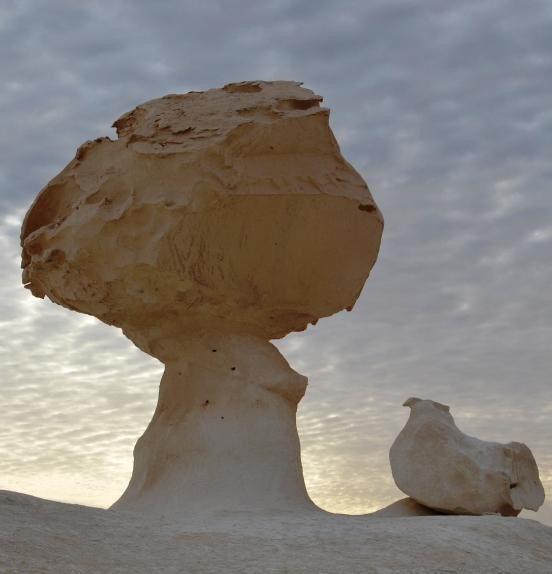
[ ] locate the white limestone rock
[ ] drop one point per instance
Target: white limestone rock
(216, 221)
(440, 467)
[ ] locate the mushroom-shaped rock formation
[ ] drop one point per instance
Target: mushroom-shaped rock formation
(440, 467)
(216, 221)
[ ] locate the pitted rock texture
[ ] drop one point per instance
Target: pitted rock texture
(232, 204)
(442, 468)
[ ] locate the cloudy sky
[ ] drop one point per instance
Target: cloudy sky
(446, 110)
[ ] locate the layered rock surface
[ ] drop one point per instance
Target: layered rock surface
(442, 468)
(232, 205)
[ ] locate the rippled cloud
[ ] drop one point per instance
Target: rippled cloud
(445, 110)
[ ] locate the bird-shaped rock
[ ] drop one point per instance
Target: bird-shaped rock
(439, 466)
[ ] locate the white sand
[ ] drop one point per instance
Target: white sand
(41, 536)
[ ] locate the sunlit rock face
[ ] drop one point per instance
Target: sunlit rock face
(440, 467)
(216, 221)
(233, 204)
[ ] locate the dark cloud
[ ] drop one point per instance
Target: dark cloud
(444, 108)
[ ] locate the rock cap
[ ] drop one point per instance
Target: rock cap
(232, 206)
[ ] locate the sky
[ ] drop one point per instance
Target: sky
(443, 107)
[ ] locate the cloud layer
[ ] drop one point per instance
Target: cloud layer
(445, 111)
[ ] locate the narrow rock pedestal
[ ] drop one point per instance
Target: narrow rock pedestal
(223, 435)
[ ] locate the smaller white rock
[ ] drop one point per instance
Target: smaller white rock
(440, 467)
